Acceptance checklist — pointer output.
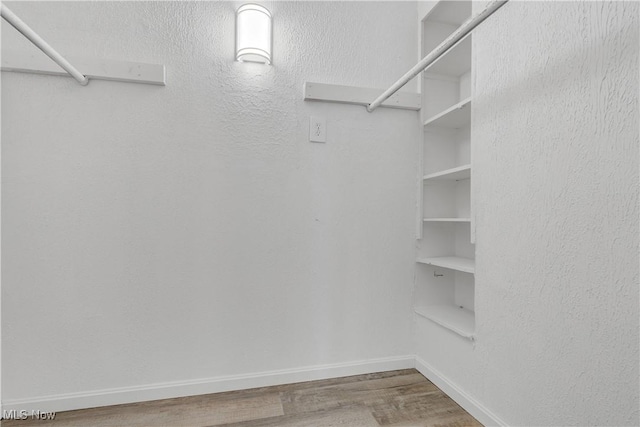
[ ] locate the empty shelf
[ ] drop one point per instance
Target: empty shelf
(446, 219)
(454, 117)
(451, 262)
(457, 319)
(458, 173)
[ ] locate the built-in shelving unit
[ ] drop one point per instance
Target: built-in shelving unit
(445, 285)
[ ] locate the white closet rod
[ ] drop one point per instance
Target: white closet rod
(464, 29)
(26, 31)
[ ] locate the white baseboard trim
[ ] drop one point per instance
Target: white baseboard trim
(117, 396)
(472, 406)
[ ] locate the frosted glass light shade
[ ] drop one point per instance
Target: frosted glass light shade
(253, 34)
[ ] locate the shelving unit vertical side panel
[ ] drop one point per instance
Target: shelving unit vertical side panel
(419, 186)
(463, 138)
(424, 9)
(464, 293)
(462, 203)
(472, 148)
(465, 84)
(462, 245)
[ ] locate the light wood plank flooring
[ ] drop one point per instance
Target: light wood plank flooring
(397, 398)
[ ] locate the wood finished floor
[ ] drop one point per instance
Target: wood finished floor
(397, 398)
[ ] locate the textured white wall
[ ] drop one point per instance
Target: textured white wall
(165, 234)
(555, 152)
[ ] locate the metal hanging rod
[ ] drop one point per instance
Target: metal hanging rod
(464, 29)
(34, 38)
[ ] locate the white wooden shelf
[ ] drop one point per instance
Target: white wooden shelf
(359, 96)
(454, 174)
(94, 69)
(455, 62)
(454, 117)
(446, 219)
(457, 319)
(451, 262)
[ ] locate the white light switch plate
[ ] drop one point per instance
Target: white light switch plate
(317, 129)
